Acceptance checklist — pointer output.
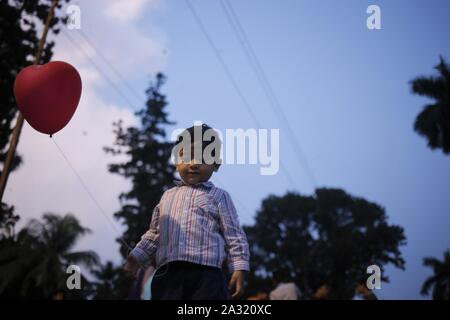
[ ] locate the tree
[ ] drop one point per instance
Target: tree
(148, 165)
(439, 282)
(434, 121)
(325, 240)
(108, 277)
(34, 265)
(8, 221)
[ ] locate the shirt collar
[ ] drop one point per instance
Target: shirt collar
(207, 184)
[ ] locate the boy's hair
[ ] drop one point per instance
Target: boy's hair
(196, 135)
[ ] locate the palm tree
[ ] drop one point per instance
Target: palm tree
(440, 280)
(8, 221)
(35, 265)
(434, 121)
(108, 277)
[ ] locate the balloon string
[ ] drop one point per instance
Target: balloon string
(91, 196)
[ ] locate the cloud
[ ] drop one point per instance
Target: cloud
(132, 48)
(45, 182)
(127, 11)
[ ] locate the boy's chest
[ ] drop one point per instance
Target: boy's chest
(187, 204)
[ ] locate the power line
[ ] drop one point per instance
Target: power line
(264, 82)
(223, 64)
(232, 80)
(111, 66)
(85, 187)
(236, 199)
(102, 73)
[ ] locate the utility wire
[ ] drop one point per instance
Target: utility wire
(232, 80)
(265, 84)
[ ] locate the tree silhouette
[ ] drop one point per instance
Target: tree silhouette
(108, 278)
(328, 239)
(147, 167)
(434, 121)
(34, 265)
(440, 280)
(8, 221)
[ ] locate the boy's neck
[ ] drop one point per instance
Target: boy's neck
(182, 182)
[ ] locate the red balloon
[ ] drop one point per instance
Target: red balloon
(48, 95)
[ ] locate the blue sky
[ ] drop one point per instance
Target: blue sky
(343, 88)
(345, 91)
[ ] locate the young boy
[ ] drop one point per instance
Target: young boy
(194, 229)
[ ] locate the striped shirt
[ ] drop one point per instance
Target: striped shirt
(197, 224)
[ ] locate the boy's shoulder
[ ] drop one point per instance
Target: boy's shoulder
(220, 192)
(169, 191)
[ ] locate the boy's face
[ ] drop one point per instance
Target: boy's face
(194, 171)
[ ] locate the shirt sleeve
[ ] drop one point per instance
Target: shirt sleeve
(146, 248)
(236, 244)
